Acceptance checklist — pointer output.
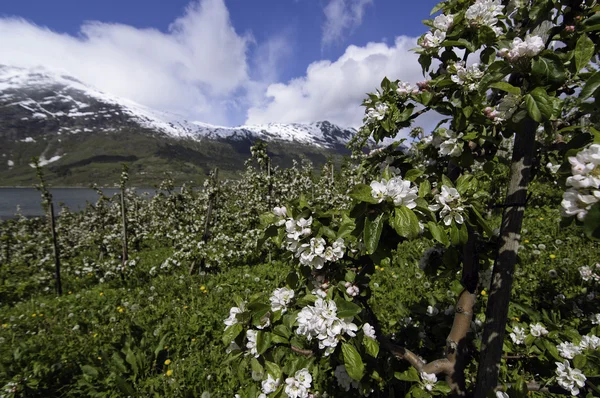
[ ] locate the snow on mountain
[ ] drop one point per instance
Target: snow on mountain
(42, 95)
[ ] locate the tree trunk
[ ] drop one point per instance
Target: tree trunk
(506, 258)
(212, 197)
(124, 225)
(58, 283)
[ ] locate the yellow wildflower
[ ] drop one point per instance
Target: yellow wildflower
(552, 256)
(169, 372)
(168, 362)
(34, 315)
(483, 293)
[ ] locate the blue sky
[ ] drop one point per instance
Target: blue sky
(223, 61)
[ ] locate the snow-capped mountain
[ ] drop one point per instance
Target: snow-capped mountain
(81, 135)
(54, 101)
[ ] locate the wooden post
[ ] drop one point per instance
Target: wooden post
(56, 251)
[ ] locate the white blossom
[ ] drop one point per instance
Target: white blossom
(251, 344)
(568, 378)
(270, 385)
(280, 211)
(518, 335)
(519, 48)
(585, 183)
(377, 113)
(568, 350)
(321, 321)
(295, 389)
(232, 319)
(405, 89)
(369, 331)
(485, 13)
(595, 318)
(400, 191)
(467, 76)
(429, 380)
(452, 144)
(433, 39)
(553, 167)
(450, 203)
(432, 311)
(443, 22)
(281, 298)
(589, 342)
(537, 330)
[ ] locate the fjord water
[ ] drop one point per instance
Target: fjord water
(28, 200)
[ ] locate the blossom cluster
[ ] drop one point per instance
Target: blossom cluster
(433, 39)
(584, 183)
(569, 378)
(569, 350)
(405, 89)
(519, 334)
(315, 252)
(321, 321)
(485, 13)
(519, 48)
(297, 386)
(452, 145)
(400, 191)
(467, 76)
(587, 273)
(281, 298)
(450, 205)
(378, 112)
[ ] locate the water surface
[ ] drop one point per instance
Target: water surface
(29, 200)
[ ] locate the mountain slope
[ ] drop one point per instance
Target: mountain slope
(82, 135)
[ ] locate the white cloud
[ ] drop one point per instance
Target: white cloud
(334, 90)
(341, 16)
(194, 69)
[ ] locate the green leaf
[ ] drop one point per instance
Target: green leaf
(406, 222)
(539, 105)
(579, 361)
(130, 358)
(408, 375)
(438, 7)
(348, 225)
(533, 109)
(353, 362)
(584, 51)
(552, 350)
(592, 84)
(231, 333)
(424, 188)
(371, 346)
(548, 70)
(258, 371)
(282, 331)
(346, 309)
(362, 192)
(273, 369)
(438, 233)
(372, 232)
(591, 223)
(509, 88)
(263, 341)
(454, 234)
(89, 371)
(482, 222)
(413, 174)
(292, 280)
